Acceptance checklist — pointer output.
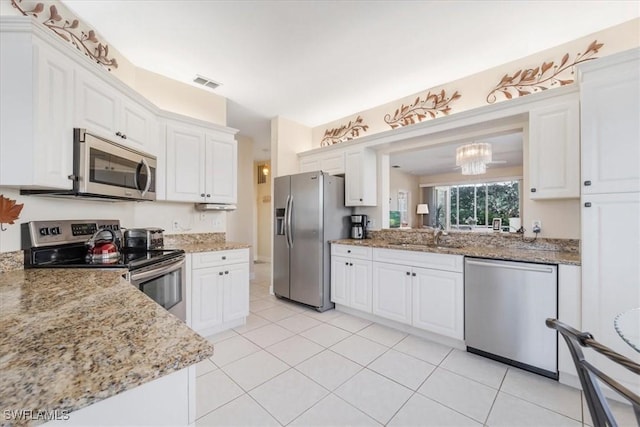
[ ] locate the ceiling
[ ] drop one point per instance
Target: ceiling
(317, 61)
(440, 159)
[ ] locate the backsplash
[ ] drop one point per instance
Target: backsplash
(471, 239)
(189, 238)
(11, 261)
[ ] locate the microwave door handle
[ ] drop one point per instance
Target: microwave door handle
(146, 187)
(144, 163)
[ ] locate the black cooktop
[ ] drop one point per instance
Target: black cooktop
(75, 256)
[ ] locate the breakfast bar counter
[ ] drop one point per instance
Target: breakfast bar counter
(73, 337)
(501, 253)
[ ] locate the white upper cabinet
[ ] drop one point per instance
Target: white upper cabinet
(221, 170)
(610, 97)
(36, 136)
(201, 164)
(331, 163)
(185, 171)
(360, 178)
(554, 151)
(101, 108)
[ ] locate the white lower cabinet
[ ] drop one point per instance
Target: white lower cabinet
(351, 277)
(219, 290)
(421, 289)
(438, 302)
(360, 292)
(610, 273)
(392, 291)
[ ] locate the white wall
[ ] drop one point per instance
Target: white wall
(287, 139)
(163, 214)
(181, 98)
(46, 208)
(240, 222)
(399, 180)
(264, 206)
(475, 88)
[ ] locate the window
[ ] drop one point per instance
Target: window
(403, 207)
(468, 206)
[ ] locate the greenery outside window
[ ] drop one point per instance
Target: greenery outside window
(468, 206)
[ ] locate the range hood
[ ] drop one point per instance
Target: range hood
(215, 207)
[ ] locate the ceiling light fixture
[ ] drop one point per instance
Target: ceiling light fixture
(473, 158)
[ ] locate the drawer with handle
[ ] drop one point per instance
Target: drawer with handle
(216, 258)
(361, 252)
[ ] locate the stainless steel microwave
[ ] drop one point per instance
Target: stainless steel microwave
(103, 169)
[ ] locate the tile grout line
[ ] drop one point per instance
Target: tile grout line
(496, 397)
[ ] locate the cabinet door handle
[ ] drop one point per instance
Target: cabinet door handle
(208, 195)
(408, 273)
(226, 272)
(587, 183)
(224, 257)
(201, 194)
(348, 251)
(533, 190)
(360, 199)
(346, 263)
(221, 273)
(119, 134)
(587, 205)
(351, 264)
(124, 136)
(413, 274)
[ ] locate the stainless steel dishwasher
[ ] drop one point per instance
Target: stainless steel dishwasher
(506, 304)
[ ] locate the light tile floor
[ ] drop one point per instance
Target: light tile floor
(290, 365)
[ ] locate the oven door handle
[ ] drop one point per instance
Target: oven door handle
(156, 272)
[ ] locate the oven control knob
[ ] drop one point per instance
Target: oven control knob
(54, 231)
(44, 231)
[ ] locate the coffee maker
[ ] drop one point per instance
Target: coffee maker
(358, 226)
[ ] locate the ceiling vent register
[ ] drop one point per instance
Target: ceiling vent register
(205, 81)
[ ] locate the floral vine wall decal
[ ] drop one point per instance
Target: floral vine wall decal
(432, 105)
(9, 211)
(344, 132)
(543, 77)
(85, 42)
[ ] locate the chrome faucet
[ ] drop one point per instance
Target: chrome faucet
(439, 232)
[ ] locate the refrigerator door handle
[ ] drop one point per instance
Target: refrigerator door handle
(285, 225)
(288, 221)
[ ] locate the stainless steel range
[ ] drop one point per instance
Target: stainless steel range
(159, 273)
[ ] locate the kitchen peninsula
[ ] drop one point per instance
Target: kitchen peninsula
(74, 338)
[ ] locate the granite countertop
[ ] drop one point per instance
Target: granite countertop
(193, 247)
(73, 337)
(503, 253)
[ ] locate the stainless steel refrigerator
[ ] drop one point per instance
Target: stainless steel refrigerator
(308, 212)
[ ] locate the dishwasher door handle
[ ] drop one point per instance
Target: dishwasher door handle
(528, 267)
